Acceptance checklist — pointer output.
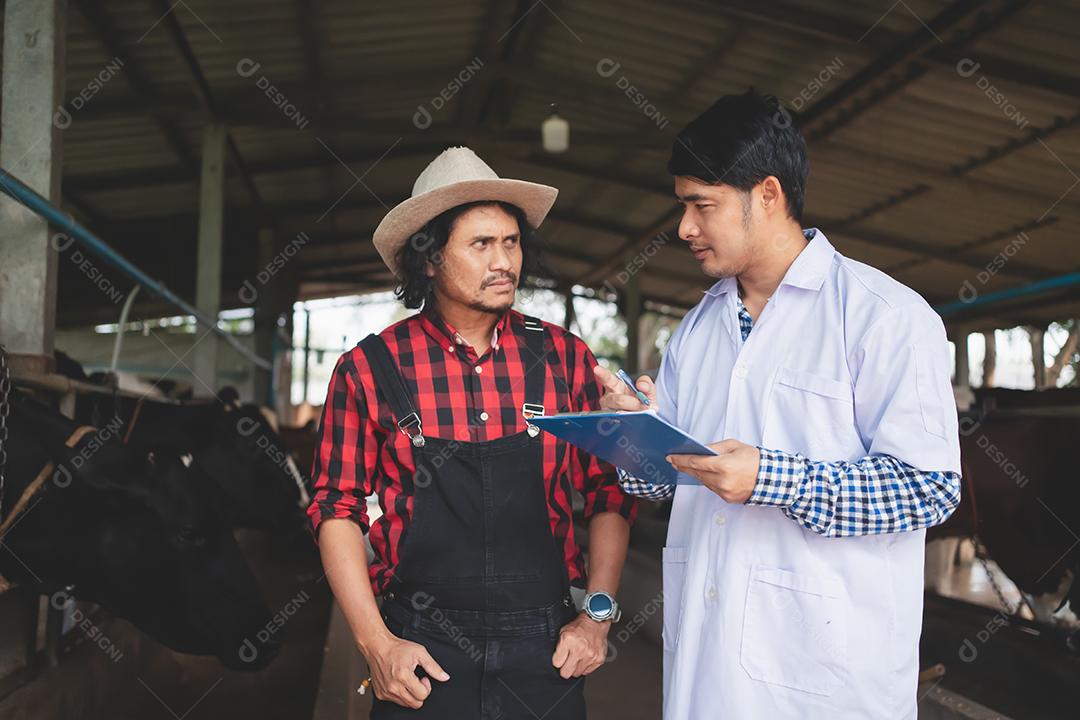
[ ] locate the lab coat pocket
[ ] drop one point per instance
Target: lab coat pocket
(795, 630)
(817, 384)
(674, 570)
(812, 415)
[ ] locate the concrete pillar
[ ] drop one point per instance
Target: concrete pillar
(30, 149)
(633, 323)
(962, 393)
(990, 358)
(284, 370)
(209, 257)
(1038, 352)
(307, 355)
(962, 377)
(266, 309)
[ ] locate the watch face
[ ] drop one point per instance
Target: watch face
(600, 605)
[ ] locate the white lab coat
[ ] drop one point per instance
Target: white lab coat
(763, 618)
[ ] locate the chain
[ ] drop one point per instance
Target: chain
(1008, 610)
(5, 410)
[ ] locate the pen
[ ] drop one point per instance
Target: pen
(621, 374)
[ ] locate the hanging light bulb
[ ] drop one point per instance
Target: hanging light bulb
(555, 132)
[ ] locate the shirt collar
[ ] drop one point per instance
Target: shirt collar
(807, 271)
(447, 337)
(810, 267)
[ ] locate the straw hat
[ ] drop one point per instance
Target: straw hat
(454, 178)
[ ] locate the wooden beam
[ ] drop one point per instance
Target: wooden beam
(961, 22)
(494, 43)
(891, 71)
(839, 30)
(206, 98)
(951, 254)
(958, 173)
(137, 80)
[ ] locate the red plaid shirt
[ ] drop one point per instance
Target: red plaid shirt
(461, 396)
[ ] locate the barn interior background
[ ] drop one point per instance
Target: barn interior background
(191, 186)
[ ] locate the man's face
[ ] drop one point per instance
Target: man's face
(481, 263)
(718, 224)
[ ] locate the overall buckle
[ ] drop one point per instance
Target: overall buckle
(529, 411)
(410, 421)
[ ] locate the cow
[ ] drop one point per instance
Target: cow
(1021, 500)
(138, 532)
(234, 443)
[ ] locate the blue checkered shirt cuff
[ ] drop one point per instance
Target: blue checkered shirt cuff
(779, 478)
(875, 495)
(643, 488)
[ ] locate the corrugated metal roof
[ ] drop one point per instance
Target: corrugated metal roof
(925, 172)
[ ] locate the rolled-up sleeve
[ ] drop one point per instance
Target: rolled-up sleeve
(596, 479)
(906, 417)
(904, 405)
(340, 475)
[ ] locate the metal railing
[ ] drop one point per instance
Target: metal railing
(25, 195)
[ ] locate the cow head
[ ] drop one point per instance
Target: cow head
(140, 533)
(255, 469)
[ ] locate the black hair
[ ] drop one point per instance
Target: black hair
(426, 244)
(740, 141)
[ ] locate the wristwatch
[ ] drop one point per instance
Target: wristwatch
(601, 607)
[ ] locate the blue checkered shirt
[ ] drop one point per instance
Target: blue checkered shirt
(874, 495)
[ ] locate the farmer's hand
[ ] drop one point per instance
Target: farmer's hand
(582, 646)
(393, 663)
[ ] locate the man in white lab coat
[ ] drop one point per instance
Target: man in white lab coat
(793, 565)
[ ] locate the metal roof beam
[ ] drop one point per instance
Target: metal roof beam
(137, 80)
(206, 98)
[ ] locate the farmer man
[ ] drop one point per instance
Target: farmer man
(793, 567)
(474, 554)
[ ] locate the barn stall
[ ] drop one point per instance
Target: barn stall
(179, 176)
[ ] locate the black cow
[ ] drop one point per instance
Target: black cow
(232, 442)
(139, 533)
(1020, 490)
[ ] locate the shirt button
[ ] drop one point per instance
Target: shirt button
(741, 372)
(483, 416)
(479, 369)
(711, 594)
(720, 519)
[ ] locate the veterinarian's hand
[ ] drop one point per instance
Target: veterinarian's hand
(731, 474)
(617, 396)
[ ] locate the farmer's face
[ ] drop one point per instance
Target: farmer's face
(481, 263)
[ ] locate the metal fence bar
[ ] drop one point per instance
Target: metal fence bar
(1039, 286)
(20, 192)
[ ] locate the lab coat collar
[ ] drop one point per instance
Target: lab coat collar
(807, 271)
(722, 287)
(812, 264)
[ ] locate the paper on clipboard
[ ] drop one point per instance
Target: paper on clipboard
(638, 442)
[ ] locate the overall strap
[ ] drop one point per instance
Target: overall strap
(535, 356)
(388, 379)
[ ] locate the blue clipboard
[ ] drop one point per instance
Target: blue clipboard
(637, 441)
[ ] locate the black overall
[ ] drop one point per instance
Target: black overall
(480, 581)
